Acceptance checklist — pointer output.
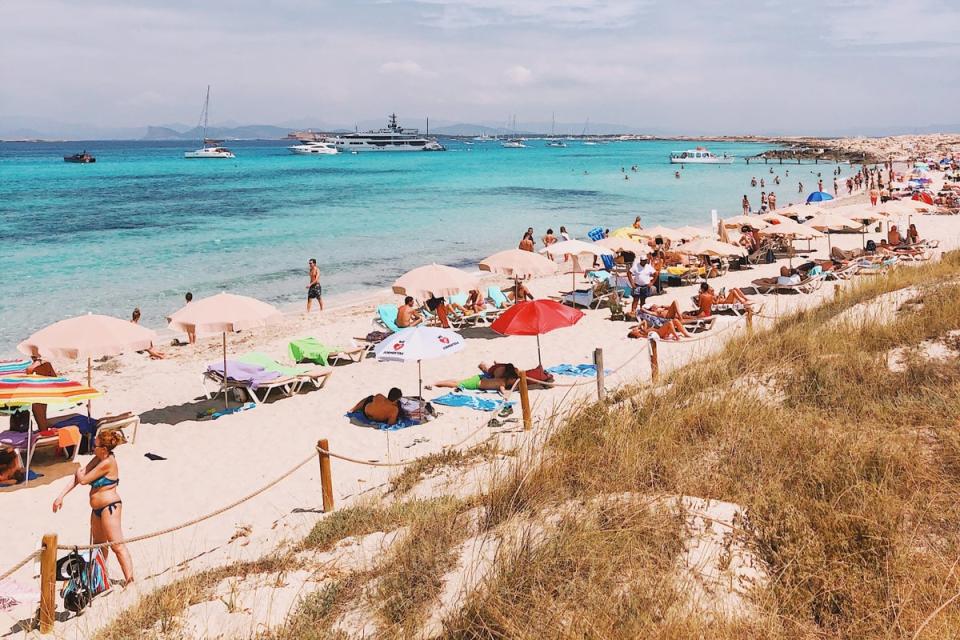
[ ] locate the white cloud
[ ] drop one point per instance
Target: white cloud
(565, 13)
(518, 75)
(406, 68)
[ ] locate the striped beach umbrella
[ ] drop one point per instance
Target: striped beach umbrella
(13, 366)
(17, 390)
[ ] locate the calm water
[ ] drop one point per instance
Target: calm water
(142, 225)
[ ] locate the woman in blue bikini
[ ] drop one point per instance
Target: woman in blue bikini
(103, 476)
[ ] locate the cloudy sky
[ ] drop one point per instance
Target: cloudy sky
(767, 65)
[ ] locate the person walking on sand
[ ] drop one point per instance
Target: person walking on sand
(314, 290)
(103, 475)
(874, 194)
(191, 335)
(746, 205)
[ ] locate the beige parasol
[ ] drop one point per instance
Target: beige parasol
(576, 248)
(90, 336)
(662, 232)
(519, 264)
(433, 280)
(826, 221)
(624, 244)
(709, 247)
(221, 313)
(735, 222)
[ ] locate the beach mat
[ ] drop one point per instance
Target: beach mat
(361, 420)
(471, 401)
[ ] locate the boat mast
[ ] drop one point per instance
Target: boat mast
(206, 114)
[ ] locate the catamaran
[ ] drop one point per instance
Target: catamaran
(211, 148)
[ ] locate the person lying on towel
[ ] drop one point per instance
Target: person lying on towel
(11, 470)
(380, 408)
(495, 377)
(667, 329)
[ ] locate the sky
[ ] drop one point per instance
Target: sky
(700, 66)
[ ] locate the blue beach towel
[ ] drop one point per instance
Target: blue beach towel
(470, 401)
(500, 301)
(359, 419)
(576, 370)
(388, 316)
(595, 234)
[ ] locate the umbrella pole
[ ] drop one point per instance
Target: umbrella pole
(420, 383)
(539, 357)
(226, 389)
(89, 382)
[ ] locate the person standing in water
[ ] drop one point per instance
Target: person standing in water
(314, 290)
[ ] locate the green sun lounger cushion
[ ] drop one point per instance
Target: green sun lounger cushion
(263, 360)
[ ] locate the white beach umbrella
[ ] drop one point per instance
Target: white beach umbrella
(774, 217)
(418, 343)
(694, 232)
(433, 280)
(662, 232)
(791, 228)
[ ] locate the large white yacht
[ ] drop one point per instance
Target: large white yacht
(314, 147)
(393, 138)
(513, 143)
(211, 148)
(700, 155)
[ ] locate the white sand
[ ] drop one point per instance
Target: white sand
(211, 463)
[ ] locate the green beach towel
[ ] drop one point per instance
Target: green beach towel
(310, 349)
(263, 360)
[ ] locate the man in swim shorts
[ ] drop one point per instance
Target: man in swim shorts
(314, 290)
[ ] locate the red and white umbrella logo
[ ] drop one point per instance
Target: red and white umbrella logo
(398, 345)
(443, 339)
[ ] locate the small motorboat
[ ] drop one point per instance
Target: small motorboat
(80, 158)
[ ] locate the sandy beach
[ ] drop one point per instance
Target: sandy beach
(209, 463)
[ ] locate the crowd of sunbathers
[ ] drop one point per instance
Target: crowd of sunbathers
(410, 314)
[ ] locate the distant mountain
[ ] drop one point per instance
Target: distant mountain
(245, 132)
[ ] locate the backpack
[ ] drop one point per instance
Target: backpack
(20, 421)
(770, 257)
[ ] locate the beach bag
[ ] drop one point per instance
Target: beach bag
(20, 421)
(770, 257)
(871, 246)
(84, 579)
(415, 409)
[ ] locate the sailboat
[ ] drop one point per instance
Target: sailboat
(554, 141)
(211, 148)
(587, 141)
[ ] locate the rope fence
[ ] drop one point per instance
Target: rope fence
(12, 570)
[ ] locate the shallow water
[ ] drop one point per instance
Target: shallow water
(142, 225)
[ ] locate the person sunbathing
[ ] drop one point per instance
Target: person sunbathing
(669, 329)
(705, 301)
(381, 408)
(40, 367)
(11, 469)
(497, 377)
(407, 315)
(519, 293)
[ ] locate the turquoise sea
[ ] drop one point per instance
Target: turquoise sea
(143, 225)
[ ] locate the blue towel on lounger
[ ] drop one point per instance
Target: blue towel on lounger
(359, 419)
(576, 370)
(470, 401)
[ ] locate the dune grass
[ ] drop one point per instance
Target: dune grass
(846, 470)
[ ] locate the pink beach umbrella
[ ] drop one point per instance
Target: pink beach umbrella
(433, 280)
(222, 313)
(90, 336)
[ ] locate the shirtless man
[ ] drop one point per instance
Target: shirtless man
(527, 243)
(407, 315)
(314, 290)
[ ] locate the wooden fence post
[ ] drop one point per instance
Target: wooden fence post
(654, 363)
(48, 583)
(326, 478)
(525, 402)
(598, 363)
(836, 292)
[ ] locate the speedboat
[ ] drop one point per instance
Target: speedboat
(700, 155)
(80, 158)
(556, 142)
(514, 143)
(314, 147)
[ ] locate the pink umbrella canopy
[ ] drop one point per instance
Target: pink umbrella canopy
(434, 280)
(222, 313)
(519, 264)
(89, 336)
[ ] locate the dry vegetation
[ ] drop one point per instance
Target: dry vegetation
(847, 473)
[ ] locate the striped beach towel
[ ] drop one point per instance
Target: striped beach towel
(13, 366)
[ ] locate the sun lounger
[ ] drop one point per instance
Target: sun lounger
(91, 428)
(699, 325)
(498, 298)
(312, 350)
(458, 321)
(250, 378)
(807, 285)
(591, 298)
(304, 374)
(387, 318)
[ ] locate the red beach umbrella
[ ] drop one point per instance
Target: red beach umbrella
(535, 317)
(925, 197)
